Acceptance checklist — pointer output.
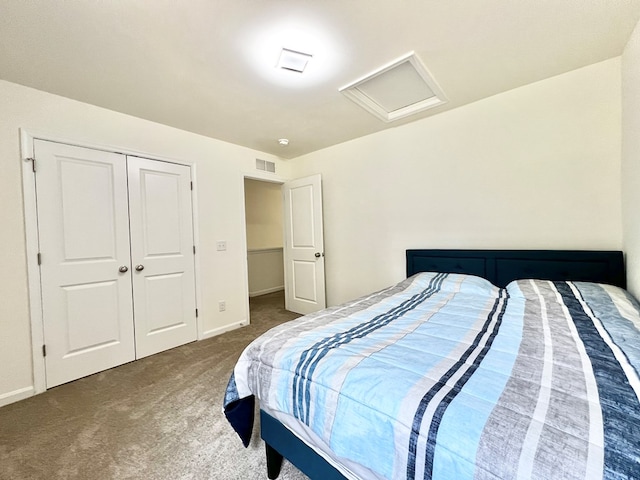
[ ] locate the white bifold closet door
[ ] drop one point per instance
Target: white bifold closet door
(162, 252)
(101, 215)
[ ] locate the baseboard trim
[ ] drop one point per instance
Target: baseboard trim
(16, 395)
(220, 330)
(266, 290)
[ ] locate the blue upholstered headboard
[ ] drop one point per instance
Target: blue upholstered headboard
(502, 266)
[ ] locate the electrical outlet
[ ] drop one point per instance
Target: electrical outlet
(222, 306)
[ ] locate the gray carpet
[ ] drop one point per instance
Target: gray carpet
(156, 418)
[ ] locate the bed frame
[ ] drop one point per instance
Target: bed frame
(502, 266)
(499, 267)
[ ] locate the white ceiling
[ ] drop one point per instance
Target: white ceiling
(208, 66)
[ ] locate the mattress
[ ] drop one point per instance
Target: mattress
(447, 376)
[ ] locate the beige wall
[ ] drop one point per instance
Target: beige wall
(220, 167)
(263, 206)
(631, 159)
(266, 271)
(535, 167)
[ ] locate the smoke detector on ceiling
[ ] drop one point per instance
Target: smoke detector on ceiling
(399, 89)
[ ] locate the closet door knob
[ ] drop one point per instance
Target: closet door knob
(123, 269)
(139, 268)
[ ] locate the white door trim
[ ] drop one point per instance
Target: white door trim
(33, 272)
(27, 138)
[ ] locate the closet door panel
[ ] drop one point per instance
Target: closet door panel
(84, 241)
(162, 255)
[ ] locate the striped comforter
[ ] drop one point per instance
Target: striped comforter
(445, 376)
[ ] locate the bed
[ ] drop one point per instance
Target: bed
(481, 364)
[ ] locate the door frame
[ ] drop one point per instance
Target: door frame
(262, 177)
(30, 206)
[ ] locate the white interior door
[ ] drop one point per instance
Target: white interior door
(84, 244)
(162, 255)
(303, 245)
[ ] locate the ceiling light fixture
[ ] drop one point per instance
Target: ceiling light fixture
(264, 42)
(293, 61)
(283, 141)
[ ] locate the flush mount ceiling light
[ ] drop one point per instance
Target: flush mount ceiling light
(283, 141)
(262, 45)
(293, 61)
(399, 89)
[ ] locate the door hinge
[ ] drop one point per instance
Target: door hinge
(191, 185)
(194, 249)
(39, 258)
(44, 350)
(33, 163)
(196, 313)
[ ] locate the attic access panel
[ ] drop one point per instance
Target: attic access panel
(397, 90)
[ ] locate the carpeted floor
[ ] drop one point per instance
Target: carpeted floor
(156, 418)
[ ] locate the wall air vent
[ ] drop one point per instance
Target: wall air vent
(397, 90)
(266, 165)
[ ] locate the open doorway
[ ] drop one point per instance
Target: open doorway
(265, 263)
(285, 245)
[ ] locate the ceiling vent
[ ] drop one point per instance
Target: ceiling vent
(397, 90)
(265, 165)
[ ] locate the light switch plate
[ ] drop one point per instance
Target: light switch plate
(221, 245)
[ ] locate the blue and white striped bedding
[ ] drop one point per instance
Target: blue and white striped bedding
(445, 376)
